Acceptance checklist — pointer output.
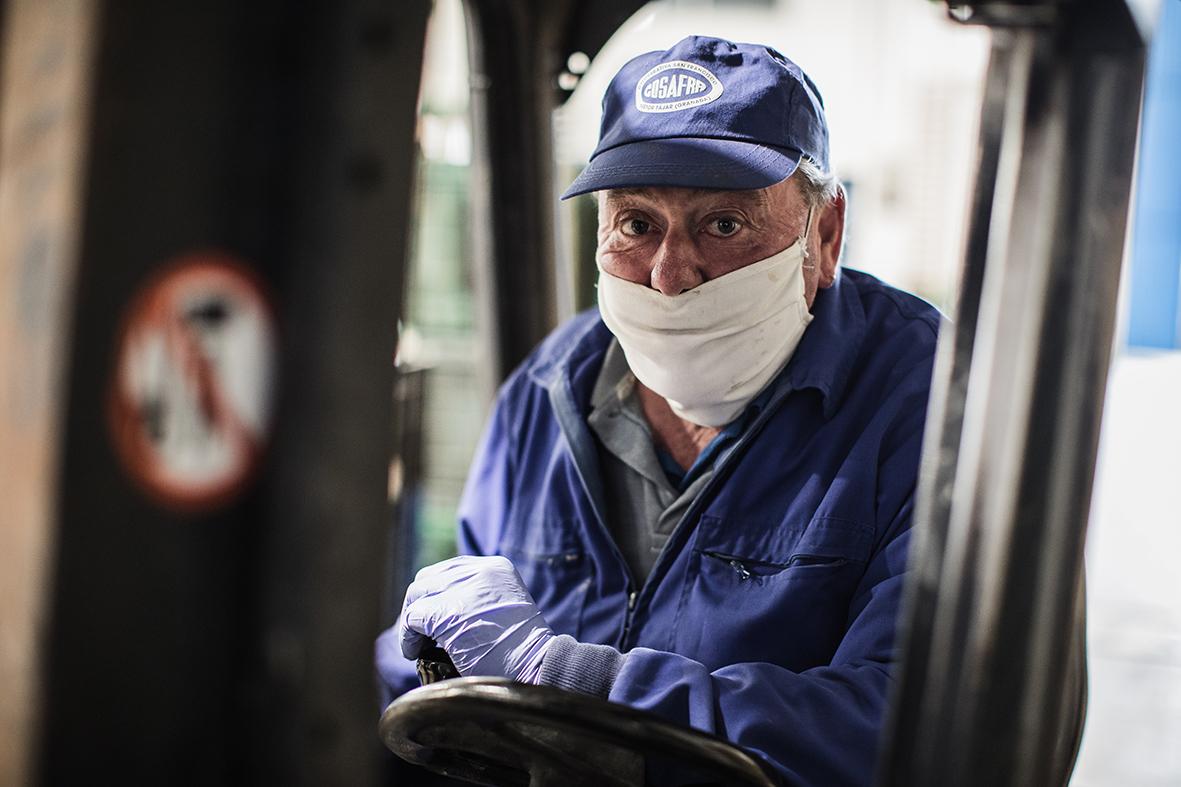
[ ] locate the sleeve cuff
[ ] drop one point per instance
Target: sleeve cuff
(582, 667)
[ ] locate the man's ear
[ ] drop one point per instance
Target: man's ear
(831, 231)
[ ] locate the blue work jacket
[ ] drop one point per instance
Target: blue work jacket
(769, 617)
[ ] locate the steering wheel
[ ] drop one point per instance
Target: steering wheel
(497, 732)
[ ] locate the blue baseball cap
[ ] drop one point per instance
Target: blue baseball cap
(707, 113)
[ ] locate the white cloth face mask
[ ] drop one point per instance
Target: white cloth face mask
(709, 351)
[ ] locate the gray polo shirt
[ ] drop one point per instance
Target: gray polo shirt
(643, 506)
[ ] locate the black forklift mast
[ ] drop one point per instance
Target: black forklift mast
(992, 681)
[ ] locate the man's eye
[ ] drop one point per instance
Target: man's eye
(636, 227)
(724, 226)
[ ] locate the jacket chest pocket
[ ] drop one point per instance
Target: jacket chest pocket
(773, 594)
(558, 577)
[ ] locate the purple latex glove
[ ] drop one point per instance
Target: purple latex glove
(478, 610)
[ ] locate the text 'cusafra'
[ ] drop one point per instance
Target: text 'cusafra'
(676, 85)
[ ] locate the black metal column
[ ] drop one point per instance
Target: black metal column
(989, 689)
(231, 642)
(945, 417)
(517, 49)
(514, 54)
(321, 557)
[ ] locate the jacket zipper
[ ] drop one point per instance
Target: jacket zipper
(627, 617)
(739, 567)
(743, 569)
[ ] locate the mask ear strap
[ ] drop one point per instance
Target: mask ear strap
(804, 237)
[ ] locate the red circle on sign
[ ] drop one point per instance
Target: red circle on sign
(190, 402)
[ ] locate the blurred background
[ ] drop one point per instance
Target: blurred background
(902, 88)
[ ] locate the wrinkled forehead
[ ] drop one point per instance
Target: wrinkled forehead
(675, 197)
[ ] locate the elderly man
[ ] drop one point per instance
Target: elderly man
(697, 499)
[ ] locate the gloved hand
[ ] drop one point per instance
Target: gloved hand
(478, 610)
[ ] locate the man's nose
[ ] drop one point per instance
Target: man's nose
(676, 267)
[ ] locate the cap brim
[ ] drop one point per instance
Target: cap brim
(690, 162)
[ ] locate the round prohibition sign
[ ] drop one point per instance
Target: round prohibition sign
(190, 402)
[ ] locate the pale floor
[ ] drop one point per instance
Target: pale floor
(1133, 732)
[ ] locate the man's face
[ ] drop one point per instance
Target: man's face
(674, 239)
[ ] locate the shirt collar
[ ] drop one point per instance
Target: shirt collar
(615, 380)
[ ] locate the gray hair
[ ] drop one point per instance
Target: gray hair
(818, 187)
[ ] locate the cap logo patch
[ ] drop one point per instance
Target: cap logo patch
(676, 85)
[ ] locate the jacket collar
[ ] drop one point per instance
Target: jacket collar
(826, 355)
(823, 360)
(572, 355)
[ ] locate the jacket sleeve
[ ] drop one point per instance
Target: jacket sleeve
(820, 726)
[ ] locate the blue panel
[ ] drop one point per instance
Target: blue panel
(1155, 319)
